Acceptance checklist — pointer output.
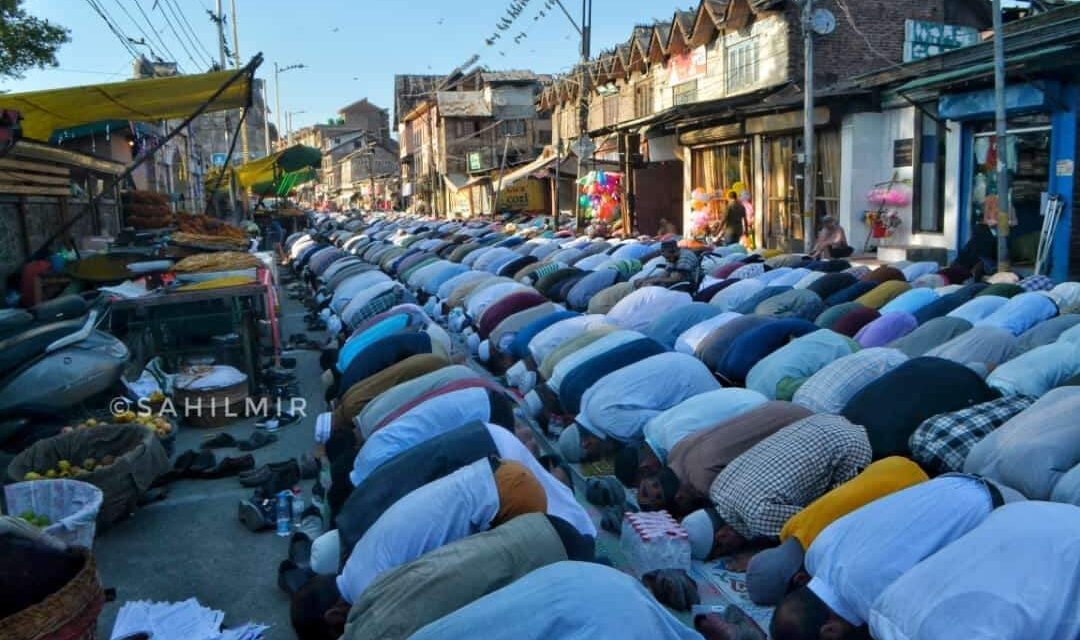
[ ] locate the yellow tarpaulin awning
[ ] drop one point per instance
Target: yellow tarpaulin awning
(288, 160)
(141, 100)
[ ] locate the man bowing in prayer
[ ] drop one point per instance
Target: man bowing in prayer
(475, 498)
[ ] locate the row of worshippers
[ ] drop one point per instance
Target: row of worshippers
(446, 505)
(609, 412)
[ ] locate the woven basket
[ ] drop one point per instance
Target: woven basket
(211, 408)
(69, 614)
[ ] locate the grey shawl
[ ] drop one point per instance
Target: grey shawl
(438, 583)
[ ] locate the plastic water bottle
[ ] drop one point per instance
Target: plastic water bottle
(654, 541)
(297, 505)
(283, 513)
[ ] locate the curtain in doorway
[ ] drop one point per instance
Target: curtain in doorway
(828, 191)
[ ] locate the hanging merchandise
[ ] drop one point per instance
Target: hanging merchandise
(601, 195)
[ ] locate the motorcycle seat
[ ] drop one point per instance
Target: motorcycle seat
(61, 308)
(21, 348)
(13, 321)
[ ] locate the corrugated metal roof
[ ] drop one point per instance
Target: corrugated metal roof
(508, 76)
(463, 104)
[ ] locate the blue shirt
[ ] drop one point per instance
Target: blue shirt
(858, 556)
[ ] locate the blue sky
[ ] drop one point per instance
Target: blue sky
(352, 48)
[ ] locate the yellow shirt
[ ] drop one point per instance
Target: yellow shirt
(881, 478)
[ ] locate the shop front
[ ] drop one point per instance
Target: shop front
(1040, 155)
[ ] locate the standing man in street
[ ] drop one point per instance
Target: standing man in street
(734, 217)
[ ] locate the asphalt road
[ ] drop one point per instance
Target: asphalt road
(192, 544)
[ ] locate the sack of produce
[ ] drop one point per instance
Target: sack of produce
(121, 460)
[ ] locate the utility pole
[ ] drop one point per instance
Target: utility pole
(809, 152)
(236, 60)
(502, 168)
(583, 97)
(266, 119)
(277, 98)
(1001, 134)
(228, 120)
(277, 90)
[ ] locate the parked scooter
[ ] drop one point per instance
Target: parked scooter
(50, 368)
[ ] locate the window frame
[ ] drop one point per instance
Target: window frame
(684, 93)
(736, 77)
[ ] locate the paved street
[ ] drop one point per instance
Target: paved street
(193, 545)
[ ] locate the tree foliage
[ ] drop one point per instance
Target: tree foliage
(26, 42)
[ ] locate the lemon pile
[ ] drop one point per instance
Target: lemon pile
(64, 469)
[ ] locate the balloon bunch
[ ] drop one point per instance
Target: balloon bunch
(601, 194)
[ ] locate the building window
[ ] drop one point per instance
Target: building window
(742, 65)
(684, 93)
(512, 128)
(465, 128)
(643, 100)
(611, 110)
(543, 136)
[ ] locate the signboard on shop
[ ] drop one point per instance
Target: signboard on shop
(524, 195)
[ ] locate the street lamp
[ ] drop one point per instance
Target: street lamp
(277, 89)
(288, 120)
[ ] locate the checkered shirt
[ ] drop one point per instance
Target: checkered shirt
(379, 304)
(688, 264)
(830, 389)
(761, 489)
(942, 443)
(1037, 283)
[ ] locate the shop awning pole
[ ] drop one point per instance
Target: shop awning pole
(228, 159)
(1001, 134)
(247, 70)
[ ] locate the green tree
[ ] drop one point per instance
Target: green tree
(26, 42)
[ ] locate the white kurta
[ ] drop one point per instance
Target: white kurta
(561, 502)
(440, 512)
(620, 403)
(1013, 576)
(553, 337)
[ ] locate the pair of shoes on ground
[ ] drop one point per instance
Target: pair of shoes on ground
(278, 476)
(204, 465)
(257, 440)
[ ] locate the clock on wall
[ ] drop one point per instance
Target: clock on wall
(823, 22)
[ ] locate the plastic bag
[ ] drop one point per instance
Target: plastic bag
(208, 378)
(72, 507)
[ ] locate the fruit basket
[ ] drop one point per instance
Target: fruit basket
(124, 461)
(69, 614)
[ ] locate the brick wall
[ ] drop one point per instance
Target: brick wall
(845, 53)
